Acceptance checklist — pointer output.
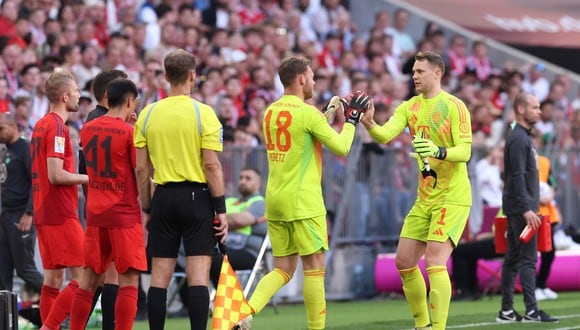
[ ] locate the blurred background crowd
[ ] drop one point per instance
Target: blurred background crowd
(239, 44)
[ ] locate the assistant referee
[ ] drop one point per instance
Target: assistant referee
(178, 139)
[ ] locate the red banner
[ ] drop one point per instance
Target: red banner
(554, 23)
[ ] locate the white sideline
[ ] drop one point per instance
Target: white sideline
(470, 325)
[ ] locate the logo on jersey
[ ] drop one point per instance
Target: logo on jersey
(59, 144)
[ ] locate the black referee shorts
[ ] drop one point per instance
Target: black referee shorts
(181, 210)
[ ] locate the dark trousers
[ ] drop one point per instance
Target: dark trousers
(520, 257)
(547, 258)
(465, 259)
(239, 259)
(17, 252)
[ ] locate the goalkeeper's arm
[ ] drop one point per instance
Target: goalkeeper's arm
(459, 153)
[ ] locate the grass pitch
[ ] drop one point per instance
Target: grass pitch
(392, 314)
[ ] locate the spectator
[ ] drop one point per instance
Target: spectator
(22, 107)
(479, 60)
(4, 95)
(8, 15)
(488, 171)
(535, 82)
(12, 58)
(88, 67)
(153, 83)
(325, 20)
(31, 81)
(546, 125)
(245, 215)
(457, 55)
(465, 258)
(402, 41)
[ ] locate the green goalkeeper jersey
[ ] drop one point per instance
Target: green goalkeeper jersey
(445, 120)
(294, 132)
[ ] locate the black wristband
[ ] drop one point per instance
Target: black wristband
(219, 204)
(442, 153)
(147, 210)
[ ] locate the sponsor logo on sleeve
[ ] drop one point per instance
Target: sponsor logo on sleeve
(59, 144)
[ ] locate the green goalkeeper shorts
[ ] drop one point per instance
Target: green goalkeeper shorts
(435, 222)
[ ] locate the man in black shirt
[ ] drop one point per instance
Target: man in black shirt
(17, 233)
(521, 203)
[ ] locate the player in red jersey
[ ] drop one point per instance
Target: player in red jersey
(114, 230)
(60, 235)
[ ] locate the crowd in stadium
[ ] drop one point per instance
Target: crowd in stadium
(239, 44)
(238, 47)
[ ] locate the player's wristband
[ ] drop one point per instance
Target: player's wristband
(219, 204)
(442, 153)
(147, 210)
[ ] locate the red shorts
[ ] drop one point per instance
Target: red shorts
(125, 246)
(61, 245)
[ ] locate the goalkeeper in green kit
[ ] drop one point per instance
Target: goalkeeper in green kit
(441, 128)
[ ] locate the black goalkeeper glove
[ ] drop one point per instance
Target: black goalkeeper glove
(359, 103)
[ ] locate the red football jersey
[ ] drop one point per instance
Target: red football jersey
(112, 198)
(52, 203)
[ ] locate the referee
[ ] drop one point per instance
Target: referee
(178, 139)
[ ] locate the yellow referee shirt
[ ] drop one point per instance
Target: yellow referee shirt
(174, 130)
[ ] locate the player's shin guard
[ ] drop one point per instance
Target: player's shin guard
(80, 309)
(47, 297)
(267, 287)
(61, 307)
(415, 294)
(156, 307)
(198, 306)
(125, 308)
(314, 298)
(439, 295)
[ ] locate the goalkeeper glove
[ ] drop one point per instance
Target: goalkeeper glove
(332, 106)
(359, 103)
(426, 148)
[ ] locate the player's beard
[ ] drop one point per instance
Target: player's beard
(308, 92)
(72, 106)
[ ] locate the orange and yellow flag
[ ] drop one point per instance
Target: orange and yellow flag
(230, 305)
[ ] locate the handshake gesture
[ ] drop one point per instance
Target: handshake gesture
(353, 106)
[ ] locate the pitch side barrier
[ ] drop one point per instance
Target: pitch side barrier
(367, 195)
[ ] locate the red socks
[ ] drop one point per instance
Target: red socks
(80, 309)
(125, 308)
(61, 306)
(47, 297)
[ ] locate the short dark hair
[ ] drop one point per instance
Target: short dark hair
(433, 58)
(102, 80)
(253, 169)
(27, 68)
(177, 65)
(290, 68)
(119, 91)
(546, 102)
